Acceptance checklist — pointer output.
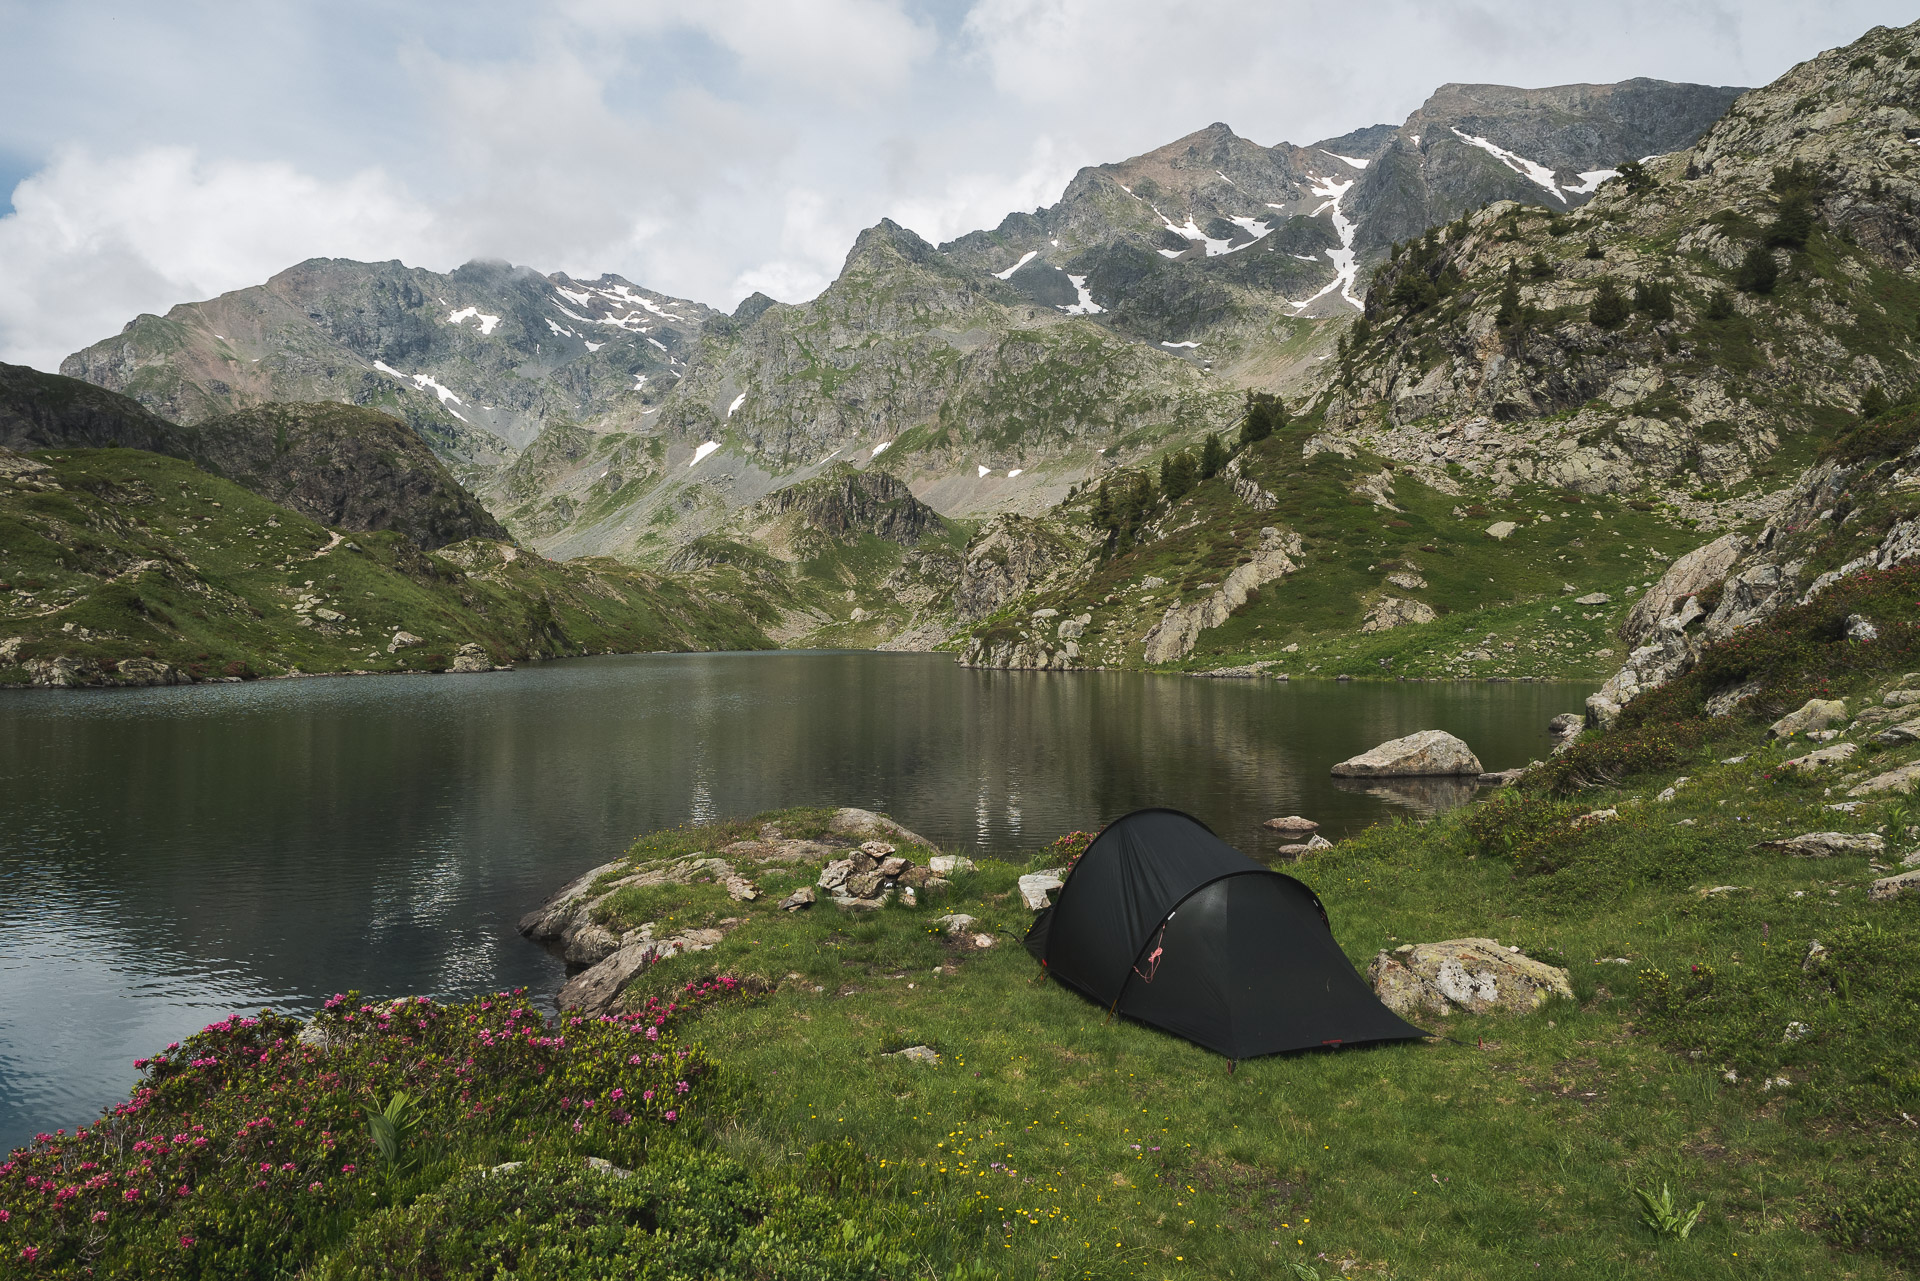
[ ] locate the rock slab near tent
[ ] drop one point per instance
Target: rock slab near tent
(1431, 751)
(1477, 976)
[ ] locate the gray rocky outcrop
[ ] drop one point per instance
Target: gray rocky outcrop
(1468, 975)
(1390, 612)
(1431, 751)
(570, 922)
(1827, 844)
(1174, 635)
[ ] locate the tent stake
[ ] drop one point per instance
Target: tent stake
(1231, 1065)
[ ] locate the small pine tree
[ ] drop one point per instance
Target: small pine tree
(1176, 475)
(1539, 268)
(1794, 223)
(1265, 415)
(1593, 247)
(1757, 272)
(1102, 512)
(1874, 402)
(1609, 309)
(1509, 314)
(1720, 306)
(1213, 456)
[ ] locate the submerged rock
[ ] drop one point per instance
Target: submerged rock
(1293, 825)
(1431, 751)
(1471, 975)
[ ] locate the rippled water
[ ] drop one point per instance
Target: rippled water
(170, 856)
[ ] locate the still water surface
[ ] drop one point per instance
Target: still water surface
(170, 856)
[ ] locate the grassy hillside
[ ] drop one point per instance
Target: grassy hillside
(113, 557)
(1507, 599)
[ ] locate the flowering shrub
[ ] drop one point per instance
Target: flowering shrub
(1066, 850)
(245, 1149)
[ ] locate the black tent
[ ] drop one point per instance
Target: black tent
(1162, 921)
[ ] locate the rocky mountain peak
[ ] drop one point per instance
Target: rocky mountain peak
(887, 242)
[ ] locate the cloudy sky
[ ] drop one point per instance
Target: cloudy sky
(153, 154)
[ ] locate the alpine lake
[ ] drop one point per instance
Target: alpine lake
(170, 856)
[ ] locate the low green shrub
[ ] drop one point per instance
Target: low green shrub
(684, 1214)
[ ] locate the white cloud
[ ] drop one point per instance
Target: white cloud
(93, 240)
(848, 50)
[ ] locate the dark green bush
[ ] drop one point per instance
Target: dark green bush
(1757, 272)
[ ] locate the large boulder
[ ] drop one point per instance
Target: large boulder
(1699, 571)
(1474, 976)
(1431, 751)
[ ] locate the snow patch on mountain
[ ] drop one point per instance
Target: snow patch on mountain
(738, 401)
(469, 313)
(624, 293)
(1590, 181)
(1180, 344)
(562, 330)
(1533, 172)
(1346, 160)
(1086, 306)
(425, 382)
(703, 450)
(1346, 262)
(879, 449)
(1025, 258)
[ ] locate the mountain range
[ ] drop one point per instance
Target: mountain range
(955, 439)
